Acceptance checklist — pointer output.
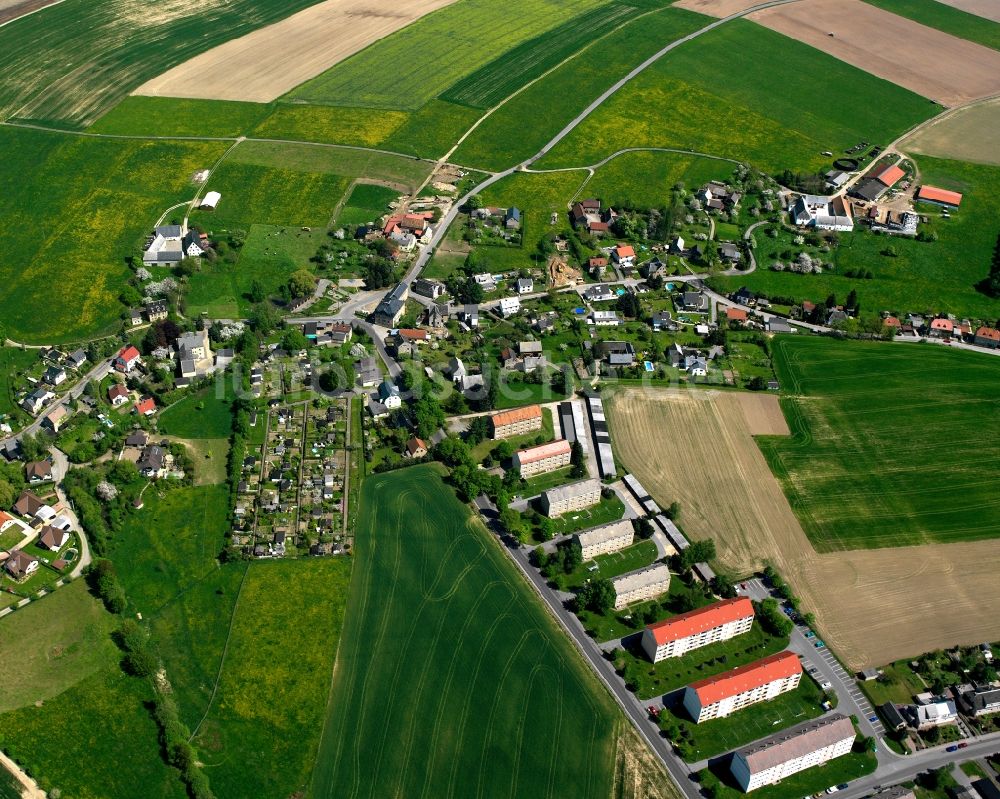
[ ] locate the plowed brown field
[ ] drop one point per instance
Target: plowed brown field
(873, 606)
(269, 62)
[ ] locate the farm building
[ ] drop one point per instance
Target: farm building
(987, 337)
(890, 176)
(803, 746)
(932, 194)
(823, 213)
(606, 538)
(211, 200)
(516, 422)
(719, 696)
(642, 584)
(678, 635)
(543, 458)
(567, 498)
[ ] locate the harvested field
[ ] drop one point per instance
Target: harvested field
(968, 134)
(717, 8)
(264, 65)
(987, 9)
(871, 605)
(891, 47)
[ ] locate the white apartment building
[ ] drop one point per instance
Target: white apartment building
(575, 496)
(606, 538)
(638, 586)
(723, 694)
(803, 746)
(719, 621)
(543, 458)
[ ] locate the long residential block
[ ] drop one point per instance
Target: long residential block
(803, 746)
(723, 694)
(543, 458)
(575, 496)
(516, 422)
(638, 586)
(606, 538)
(719, 621)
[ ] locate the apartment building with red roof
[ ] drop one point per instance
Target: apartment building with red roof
(677, 636)
(516, 422)
(543, 458)
(724, 694)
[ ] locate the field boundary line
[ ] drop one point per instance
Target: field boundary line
(225, 652)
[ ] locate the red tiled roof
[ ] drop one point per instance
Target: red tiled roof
(415, 444)
(988, 332)
(746, 678)
(599, 226)
(516, 415)
(543, 451)
(700, 620)
(808, 306)
(935, 194)
(128, 353)
(890, 175)
(408, 333)
(598, 261)
(890, 321)
(736, 314)
(145, 405)
(942, 324)
(625, 251)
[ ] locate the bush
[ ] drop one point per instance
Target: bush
(141, 663)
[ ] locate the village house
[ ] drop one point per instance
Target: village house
(525, 285)
(605, 318)
(54, 375)
(20, 565)
(416, 448)
(135, 316)
(509, 306)
(640, 585)
(823, 213)
(53, 419)
(575, 496)
(145, 407)
(618, 353)
(76, 359)
(979, 700)
(987, 337)
(469, 315)
(680, 634)
(388, 394)
(695, 302)
(118, 394)
(156, 310)
(153, 462)
(126, 360)
(194, 354)
(390, 310)
(368, 372)
(428, 288)
(723, 694)
(600, 292)
(52, 538)
(941, 328)
(661, 320)
(623, 255)
(37, 400)
(38, 471)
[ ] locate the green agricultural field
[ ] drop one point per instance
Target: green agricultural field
(867, 420)
(70, 63)
(773, 118)
(81, 740)
(432, 130)
(270, 255)
(451, 678)
(173, 116)
(422, 60)
(262, 732)
(74, 209)
(10, 788)
(503, 139)
(946, 18)
(366, 203)
(363, 127)
(70, 635)
(507, 73)
(646, 179)
(206, 413)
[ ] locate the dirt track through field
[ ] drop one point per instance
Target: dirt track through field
(969, 134)
(933, 64)
(269, 62)
(987, 9)
(873, 606)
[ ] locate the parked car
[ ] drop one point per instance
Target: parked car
(810, 634)
(873, 718)
(819, 644)
(962, 745)
(826, 685)
(833, 789)
(952, 748)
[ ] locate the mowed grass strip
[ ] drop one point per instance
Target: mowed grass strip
(71, 62)
(410, 67)
(893, 445)
(503, 139)
(946, 18)
(207, 413)
(451, 680)
(746, 109)
(262, 732)
(74, 209)
(500, 78)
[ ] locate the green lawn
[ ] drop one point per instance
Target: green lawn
(711, 738)
(773, 118)
(70, 640)
(869, 422)
(451, 678)
(514, 394)
(419, 62)
(430, 131)
(607, 510)
(900, 686)
(366, 203)
(641, 553)
(14, 362)
(201, 414)
(935, 276)
(644, 180)
(946, 18)
(806, 783)
(174, 116)
(503, 139)
(543, 482)
(262, 732)
(74, 210)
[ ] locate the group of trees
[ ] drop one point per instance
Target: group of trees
(103, 579)
(175, 740)
(597, 596)
(567, 558)
(991, 284)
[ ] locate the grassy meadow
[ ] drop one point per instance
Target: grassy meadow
(751, 110)
(645, 179)
(431, 131)
(892, 445)
(503, 138)
(362, 127)
(366, 203)
(201, 414)
(946, 18)
(74, 209)
(921, 277)
(262, 732)
(419, 62)
(451, 678)
(174, 116)
(68, 64)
